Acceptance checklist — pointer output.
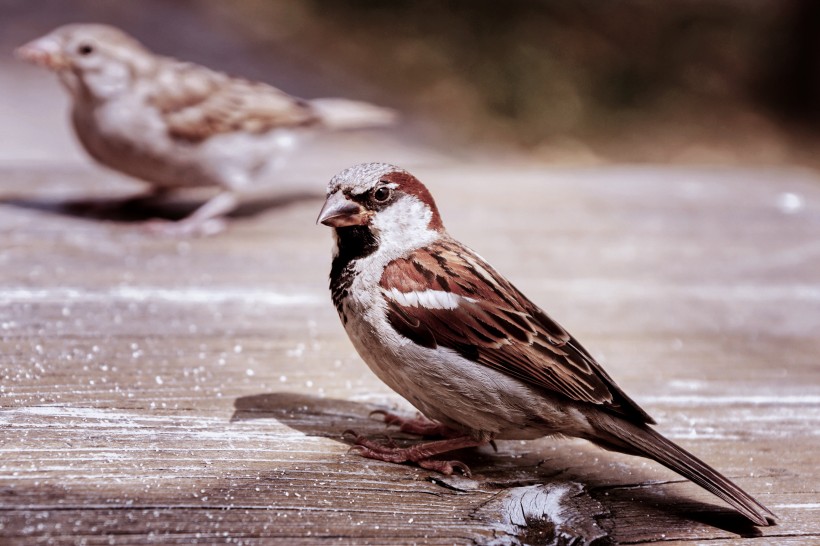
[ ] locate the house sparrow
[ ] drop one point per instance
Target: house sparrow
(176, 125)
(478, 359)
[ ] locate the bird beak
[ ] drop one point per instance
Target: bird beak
(45, 51)
(341, 212)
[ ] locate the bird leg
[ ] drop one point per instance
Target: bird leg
(420, 425)
(206, 220)
(421, 454)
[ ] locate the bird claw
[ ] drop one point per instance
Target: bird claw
(402, 455)
(419, 425)
(383, 413)
(445, 467)
(421, 454)
(352, 434)
(388, 418)
(363, 441)
(465, 470)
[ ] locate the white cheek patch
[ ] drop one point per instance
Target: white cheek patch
(431, 299)
(401, 228)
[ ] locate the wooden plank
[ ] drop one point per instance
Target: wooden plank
(155, 391)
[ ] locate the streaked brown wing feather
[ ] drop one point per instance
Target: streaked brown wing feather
(198, 103)
(497, 326)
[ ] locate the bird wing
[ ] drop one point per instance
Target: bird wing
(446, 295)
(197, 103)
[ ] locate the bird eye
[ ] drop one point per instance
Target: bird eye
(85, 49)
(382, 194)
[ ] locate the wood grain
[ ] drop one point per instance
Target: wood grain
(155, 391)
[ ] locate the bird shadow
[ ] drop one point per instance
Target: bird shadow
(135, 210)
(330, 418)
(650, 499)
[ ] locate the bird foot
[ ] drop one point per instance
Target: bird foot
(185, 228)
(422, 454)
(419, 425)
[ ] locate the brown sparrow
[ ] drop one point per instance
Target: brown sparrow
(442, 328)
(177, 125)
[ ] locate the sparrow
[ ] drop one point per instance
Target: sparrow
(480, 361)
(176, 125)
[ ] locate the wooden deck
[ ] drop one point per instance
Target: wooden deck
(156, 391)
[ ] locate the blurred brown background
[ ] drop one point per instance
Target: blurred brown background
(569, 82)
(163, 391)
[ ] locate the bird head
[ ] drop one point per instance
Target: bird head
(95, 60)
(384, 200)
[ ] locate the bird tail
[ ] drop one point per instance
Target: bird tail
(620, 435)
(349, 114)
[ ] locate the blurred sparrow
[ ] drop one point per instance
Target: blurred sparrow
(478, 359)
(177, 125)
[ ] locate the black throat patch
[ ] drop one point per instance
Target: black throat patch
(354, 242)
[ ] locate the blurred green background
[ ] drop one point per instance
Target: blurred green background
(727, 81)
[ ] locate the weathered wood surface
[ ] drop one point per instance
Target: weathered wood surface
(155, 391)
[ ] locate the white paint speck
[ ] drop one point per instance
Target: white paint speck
(789, 203)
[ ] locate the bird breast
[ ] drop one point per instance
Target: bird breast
(125, 136)
(445, 386)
